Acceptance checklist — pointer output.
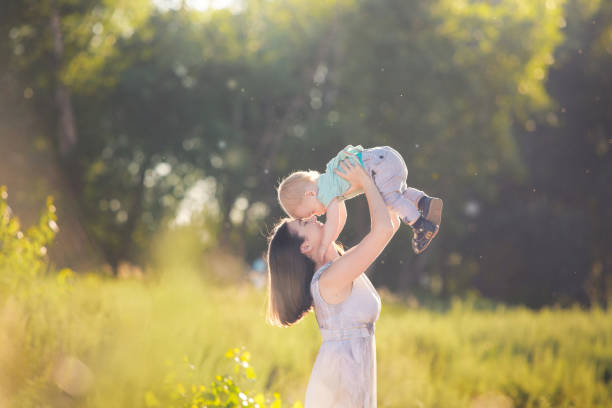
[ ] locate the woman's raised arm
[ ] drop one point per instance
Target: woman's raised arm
(356, 260)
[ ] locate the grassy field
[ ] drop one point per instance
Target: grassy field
(133, 336)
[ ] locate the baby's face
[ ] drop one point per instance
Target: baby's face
(309, 206)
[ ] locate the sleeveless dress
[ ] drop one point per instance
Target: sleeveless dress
(344, 372)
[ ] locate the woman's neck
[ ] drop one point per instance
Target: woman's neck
(330, 256)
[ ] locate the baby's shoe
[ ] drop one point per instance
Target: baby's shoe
(424, 232)
(431, 208)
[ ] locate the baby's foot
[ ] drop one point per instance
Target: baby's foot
(431, 208)
(424, 232)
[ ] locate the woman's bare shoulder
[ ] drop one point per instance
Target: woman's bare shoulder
(331, 292)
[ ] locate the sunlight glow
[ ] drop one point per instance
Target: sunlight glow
(200, 5)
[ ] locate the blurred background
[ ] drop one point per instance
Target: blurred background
(161, 129)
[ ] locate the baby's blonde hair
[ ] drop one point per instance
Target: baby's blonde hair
(291, 190)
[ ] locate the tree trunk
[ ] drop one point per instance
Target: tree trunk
(134, 214)
(67, 133)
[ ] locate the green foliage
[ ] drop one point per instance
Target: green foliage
(249, 97)
(225, 391)
(90, 31)
(23, 255)
(445, 86)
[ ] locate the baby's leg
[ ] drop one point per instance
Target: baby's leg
(404, 207)
(430, 208)
(389, 172)
(413, 195)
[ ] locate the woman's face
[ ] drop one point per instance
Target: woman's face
(310, 229)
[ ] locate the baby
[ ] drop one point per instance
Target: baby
(306, 193)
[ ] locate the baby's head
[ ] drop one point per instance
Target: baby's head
(297, 195)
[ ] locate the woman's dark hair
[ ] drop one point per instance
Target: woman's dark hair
(289, 276)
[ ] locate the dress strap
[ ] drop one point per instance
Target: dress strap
(365, 330)
(319, 271)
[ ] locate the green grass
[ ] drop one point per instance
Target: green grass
(135, 334)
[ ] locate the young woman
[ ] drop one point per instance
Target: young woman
(345, 302)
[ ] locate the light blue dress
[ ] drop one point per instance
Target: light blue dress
(344, 372)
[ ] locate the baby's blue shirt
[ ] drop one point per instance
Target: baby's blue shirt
(330, 185)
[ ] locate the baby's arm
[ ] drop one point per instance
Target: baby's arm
(335, 217)
(341, 219)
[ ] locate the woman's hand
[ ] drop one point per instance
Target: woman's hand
(345, 269)
(353, 173)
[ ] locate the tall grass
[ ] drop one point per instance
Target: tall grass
(132, 334)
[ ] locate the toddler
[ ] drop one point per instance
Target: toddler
(306, 193)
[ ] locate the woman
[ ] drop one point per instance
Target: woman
(346, 304)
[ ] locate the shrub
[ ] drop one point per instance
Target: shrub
(23, 255)
(224, 391)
